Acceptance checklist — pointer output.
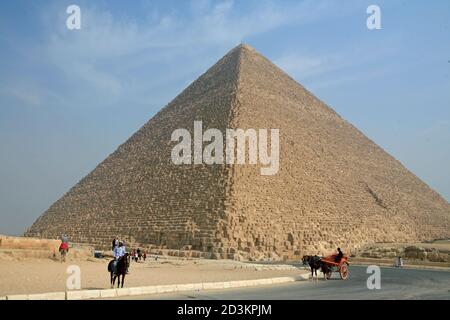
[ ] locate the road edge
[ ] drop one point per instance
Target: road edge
(146, 290)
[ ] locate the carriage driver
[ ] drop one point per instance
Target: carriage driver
(339, 255)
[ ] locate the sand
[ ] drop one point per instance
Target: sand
(45, 275)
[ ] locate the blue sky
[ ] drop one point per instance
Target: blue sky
(69, 98)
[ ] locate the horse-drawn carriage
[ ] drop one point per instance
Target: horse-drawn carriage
(327, 265)
(333, 265)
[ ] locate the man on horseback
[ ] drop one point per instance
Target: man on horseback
(64, 247)
(119, 252)
(119, 265)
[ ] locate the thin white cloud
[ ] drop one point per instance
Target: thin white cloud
(23, 96)
(344, 65)
(28, 93)
(104, 61)
(300, 65)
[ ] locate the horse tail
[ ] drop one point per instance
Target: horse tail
(110, 266)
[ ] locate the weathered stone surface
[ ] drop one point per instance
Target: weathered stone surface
(335, 187)
(13, 248)
(410, 252)
(20, 243)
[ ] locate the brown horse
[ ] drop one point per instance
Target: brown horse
(122, 267)
(315, 263)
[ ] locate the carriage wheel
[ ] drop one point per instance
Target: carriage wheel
(328, 274)
(343, 271)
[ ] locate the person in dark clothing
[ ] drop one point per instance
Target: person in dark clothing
(115, 243)
(139, 255)
(339, 255)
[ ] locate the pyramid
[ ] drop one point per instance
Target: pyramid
(335, 187)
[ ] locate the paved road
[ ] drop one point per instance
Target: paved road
(395, 284)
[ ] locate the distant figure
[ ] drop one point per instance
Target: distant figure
(64, 247)
(64, 238)
(139, 254)
(144, 255)
(339, 255)
(399, 262)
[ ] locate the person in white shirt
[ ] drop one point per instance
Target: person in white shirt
(119, 252)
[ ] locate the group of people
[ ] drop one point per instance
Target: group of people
(138, 255)
(119, 250)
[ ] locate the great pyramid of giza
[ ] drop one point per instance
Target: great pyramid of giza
(334, 187)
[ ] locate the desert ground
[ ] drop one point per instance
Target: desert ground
(32, 266)
(29, 265)
(46, 275)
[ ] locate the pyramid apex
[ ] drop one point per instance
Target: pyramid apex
(246, 46)
(243, 46)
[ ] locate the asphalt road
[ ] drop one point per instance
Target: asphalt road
(395, 284)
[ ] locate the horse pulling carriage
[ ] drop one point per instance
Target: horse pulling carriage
(333, 264)
(328, 265)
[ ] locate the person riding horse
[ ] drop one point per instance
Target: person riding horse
(118, 267)
(64, 247)
(119, 251)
